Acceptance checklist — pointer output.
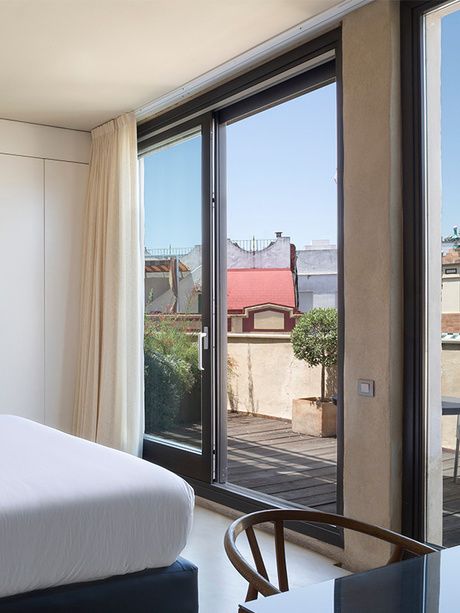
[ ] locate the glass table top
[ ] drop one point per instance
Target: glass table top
(427, 584)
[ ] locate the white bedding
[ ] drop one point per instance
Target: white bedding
(71, 510)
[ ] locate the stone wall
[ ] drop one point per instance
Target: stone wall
(265, 376)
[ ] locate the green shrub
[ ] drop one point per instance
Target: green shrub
(168, 336)
(162, 392)
(171, 370)
(314, 340)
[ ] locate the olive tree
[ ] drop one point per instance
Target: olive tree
(314, 340)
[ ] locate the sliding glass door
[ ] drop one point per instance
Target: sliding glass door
(431, 81)
(176, 189)
(244, 245)
(283, 304)
(441, 36)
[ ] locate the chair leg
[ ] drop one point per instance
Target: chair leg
(457, 445)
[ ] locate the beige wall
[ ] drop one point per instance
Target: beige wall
(450, 387)
(266, 376)
(269, 320)
(450, 294)
(373, 273)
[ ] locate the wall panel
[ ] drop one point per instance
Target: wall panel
(65, 187)
(26, 139)
(43, 177)
(22, 287)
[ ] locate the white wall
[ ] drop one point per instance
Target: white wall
(43, 174)
(432, 345)
(65, 189)
(450, 299)
(22, 287)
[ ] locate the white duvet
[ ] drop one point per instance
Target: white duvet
(71, 510)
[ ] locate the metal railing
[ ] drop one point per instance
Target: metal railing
(167, 252)
(253, 244)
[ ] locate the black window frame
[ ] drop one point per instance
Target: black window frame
(414, 257)
(244, 94)
(199, 462)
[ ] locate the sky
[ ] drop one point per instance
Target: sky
(281, 168)
(281, 171)
(450, 122)
(172, 195)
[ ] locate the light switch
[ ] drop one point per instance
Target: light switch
(366, 387)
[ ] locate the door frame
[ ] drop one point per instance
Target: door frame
(187, 461)
(276, 72)
(315, 78)
(414, 487)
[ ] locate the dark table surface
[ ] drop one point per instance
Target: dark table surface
(427, 584)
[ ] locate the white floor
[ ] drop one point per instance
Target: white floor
(221, 587)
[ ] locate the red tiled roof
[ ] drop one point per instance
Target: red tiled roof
(252, 286)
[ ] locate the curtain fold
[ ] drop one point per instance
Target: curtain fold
(108, 401)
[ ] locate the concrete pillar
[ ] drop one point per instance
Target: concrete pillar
(373, 274)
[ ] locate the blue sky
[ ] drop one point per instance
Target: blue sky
(281, 165)
(172, 195)
(450, 129)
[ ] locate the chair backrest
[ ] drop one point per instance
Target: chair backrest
(258, 578)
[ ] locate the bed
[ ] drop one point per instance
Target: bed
(90, 525)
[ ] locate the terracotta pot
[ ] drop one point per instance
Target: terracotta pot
(315, 418)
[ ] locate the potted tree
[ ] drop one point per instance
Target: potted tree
(314, 340)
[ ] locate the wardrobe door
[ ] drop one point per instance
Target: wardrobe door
(65, 189)
(21, 287)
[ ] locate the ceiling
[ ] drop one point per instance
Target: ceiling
(79, 63)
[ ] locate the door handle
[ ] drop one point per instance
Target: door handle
(202, 344)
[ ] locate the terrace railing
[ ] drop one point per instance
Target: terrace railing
(167, 252)
(253, 244)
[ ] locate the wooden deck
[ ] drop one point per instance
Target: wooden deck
(266, 456)
(451, 501)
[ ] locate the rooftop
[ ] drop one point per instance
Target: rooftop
(251, 287)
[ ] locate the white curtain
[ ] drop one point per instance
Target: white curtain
(108, 404)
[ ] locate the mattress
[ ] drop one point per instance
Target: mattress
(72, 511)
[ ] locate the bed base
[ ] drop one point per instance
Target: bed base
(160, 590)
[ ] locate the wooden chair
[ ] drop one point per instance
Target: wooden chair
(258, 578)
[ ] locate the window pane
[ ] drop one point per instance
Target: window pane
(442, 161)
(282, 276)
(173, 265)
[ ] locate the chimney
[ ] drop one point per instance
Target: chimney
(278, 234)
